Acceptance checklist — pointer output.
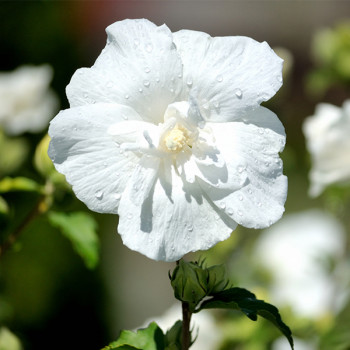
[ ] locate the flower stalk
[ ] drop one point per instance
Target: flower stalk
(186, 320)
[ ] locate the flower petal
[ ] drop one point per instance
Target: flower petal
(175, 218)
(251, 149)
(227, 75)
(139, 67)
(84, 151)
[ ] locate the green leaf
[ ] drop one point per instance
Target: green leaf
(245, 301)
(173, 337)
(4, 208)
(9, 184)
(80, 228)
(150, 338)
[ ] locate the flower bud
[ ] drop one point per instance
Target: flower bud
(189, 282)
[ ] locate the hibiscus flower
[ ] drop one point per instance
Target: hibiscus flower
(166, 130)
(327, 140)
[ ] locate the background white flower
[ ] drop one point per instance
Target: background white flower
(203, 325)
(327, 140)
(166, 130)
(298, 251)
(26, 101)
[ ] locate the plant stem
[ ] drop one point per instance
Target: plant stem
(186, 319)
(37, 210)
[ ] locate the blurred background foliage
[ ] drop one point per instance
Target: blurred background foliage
(61, 289)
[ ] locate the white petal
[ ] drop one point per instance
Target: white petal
(83, 150)
(228, 75)
(251, 149)
(139, 67)
(174, 219)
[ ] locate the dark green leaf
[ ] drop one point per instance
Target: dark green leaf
(245, 301)
(150, 338)
(173, 337)
(80, 228)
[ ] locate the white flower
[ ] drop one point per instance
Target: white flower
(296, 251)
(203, 325)
(327, 139)
(26, 102)
(166, 131)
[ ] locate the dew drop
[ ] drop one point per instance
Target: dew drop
(229, 211)
(240, 169)
(222, 205)
(147, 69)
(219, 78)
(99, 194)
(238, 93)
(125, 117)
(149, 47)
(140, 90)
(136, 42)
(117, 196)
(126, 96)
(261, 131)
(250, 191)
(259, 204)
(190, 228)
(240, 213)
(189, 82)
(240, 197)
(146, 83)
(129, 216)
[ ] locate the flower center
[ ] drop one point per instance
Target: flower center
(176, 139)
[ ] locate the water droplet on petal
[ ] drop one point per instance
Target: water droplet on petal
(140, 90)
(240, 197)
(222, 205)
(240, 169)
(250, 191)
(238, 93)
(219, 78)
(136, 42)
(147, 69)
(190, 228)
(229, 211)
(189, 81)
(146, 83)
(129, 216)
(117, 196)
(259, 204)
(125, 117)
(126, 96)
(99, 194)
(240, 213)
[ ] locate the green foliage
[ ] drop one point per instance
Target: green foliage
(150, 338)
(4, 208)
(331, 53)
(192, 282)
(246, 302)
(9, 184)
(8, 341)
(173, 337)
(13, 152)
(80, 228)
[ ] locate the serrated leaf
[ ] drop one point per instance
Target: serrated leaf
(80, 228)
(150, 338)
(9, 184)
(245, 301)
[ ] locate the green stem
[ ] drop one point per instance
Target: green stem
(186, 319)
(39, 208)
